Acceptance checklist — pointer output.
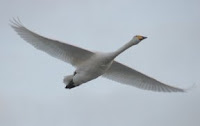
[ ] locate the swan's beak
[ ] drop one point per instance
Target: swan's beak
(140, 37)
(144, 37)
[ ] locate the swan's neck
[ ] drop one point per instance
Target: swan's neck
(125, 47)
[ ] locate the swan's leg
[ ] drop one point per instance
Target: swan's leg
(70, 85)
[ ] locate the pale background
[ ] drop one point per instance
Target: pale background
(31, 88)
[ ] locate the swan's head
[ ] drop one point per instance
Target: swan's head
(139, 37)
(136, 39)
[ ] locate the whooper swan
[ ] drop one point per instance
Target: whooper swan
(90, 65)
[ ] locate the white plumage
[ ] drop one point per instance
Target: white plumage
(90, 65)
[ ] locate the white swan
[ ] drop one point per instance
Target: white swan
(91, 65)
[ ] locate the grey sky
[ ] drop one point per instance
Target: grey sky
(31, 88)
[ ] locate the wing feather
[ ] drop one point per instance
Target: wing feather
(63, 51)
(123, 74)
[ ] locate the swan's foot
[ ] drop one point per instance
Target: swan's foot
(70, 85)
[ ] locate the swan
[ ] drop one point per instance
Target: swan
(90, 65)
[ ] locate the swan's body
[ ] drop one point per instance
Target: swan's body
(96, 66)
(90, 65)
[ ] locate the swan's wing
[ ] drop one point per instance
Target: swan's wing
(65, 52)
(123, 74)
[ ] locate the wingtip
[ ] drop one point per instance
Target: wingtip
(190, 88)
(15, 22)
(178, 90)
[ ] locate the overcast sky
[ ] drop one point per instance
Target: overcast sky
(31, 88)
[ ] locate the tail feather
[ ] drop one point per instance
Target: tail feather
(67, 79)
(70, 85)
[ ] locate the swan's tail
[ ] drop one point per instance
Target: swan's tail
(67, 79)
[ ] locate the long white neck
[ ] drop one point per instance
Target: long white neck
(125, 47)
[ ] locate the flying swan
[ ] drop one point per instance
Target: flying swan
(90, 65)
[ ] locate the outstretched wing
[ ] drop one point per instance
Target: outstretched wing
(63, 51)
(123, 74)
